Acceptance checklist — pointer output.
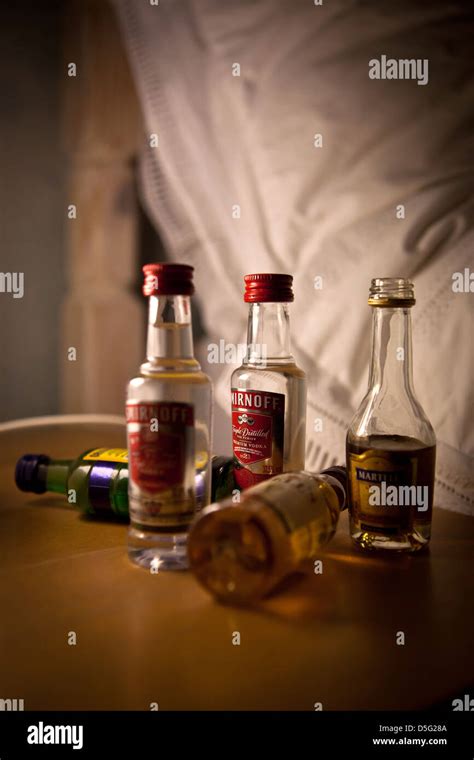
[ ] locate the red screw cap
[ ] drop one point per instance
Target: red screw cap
(168, 280)
(268, 287)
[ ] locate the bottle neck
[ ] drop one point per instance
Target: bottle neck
(336, 476)
(55, 475)
(169, 328)
(391, 362)
(268, 334)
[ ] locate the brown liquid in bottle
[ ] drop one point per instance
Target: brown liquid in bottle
(391, 484)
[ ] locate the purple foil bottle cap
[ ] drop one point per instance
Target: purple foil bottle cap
(28, 476)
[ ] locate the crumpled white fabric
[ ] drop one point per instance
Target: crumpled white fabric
(327, 211)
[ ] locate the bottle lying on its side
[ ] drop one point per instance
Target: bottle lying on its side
(241, 552)
(97, 481)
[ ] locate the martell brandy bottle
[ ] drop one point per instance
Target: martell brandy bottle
(168, 425)
(268, 390)
(391, 446)
(241, 552)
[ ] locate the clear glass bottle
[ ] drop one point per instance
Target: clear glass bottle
(241, 552)
(268, 390)
(169, 408)
(391, 446)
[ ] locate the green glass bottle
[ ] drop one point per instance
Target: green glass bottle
(97, 481)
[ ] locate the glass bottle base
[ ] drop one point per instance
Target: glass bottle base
(156, 551)
(402, 542)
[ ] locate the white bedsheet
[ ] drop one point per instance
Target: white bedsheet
(327, 211)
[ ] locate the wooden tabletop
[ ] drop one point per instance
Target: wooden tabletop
(144, 638)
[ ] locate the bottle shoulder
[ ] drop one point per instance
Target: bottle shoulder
(185, 371)
(248, 371)
(382, 413)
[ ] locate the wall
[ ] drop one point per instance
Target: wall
(32, 207)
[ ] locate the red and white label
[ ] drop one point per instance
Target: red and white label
(160, 440)
(257, 433)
